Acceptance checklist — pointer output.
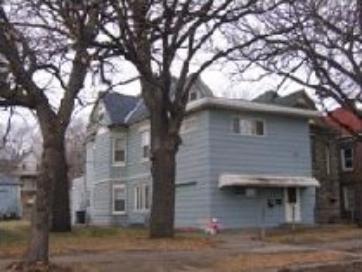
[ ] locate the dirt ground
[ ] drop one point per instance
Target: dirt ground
(230, 252)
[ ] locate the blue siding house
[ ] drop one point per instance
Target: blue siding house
(10, 202)
(245, 163)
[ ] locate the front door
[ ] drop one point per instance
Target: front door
(292, 205)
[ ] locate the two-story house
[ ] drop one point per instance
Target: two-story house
(246, 163)
(350, 152)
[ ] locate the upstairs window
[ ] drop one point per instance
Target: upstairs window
(145, 135)
(119, 199)
(347, 159)
(251, 127)
(119, 151)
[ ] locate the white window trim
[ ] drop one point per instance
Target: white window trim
(145, 159)
(251, 119)
(142, 188)
(119, 186)
(116, 163)
(343, 160)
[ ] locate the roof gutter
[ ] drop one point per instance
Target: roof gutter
(243, 105)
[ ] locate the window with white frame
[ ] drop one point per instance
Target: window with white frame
(119, 151)
(347, 158)
(145, 135)
(142, 197)
(119, 199)
(246, 126)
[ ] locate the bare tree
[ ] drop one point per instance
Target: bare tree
(157, 36)
(75, 142)
(45, 56)
(316, 43)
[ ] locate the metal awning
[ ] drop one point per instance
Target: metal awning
(227, 180)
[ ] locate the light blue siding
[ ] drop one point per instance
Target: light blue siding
(209, 149)
(10, 200)
(282, 151)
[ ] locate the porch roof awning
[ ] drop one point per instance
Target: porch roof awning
(227, 180)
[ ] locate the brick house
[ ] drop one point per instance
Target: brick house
(350, 152)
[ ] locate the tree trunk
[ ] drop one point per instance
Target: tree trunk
(38, 250)
(164, 149)
(60, 217)
(52, 173)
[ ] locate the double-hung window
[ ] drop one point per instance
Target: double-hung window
(119, 151)
(347, 159)
(248, 126)
(142, 197)
(119, 199)
(145, 136)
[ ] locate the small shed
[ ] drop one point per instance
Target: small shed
(10, 199)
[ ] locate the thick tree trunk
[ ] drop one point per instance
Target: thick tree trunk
(53, 169)
(164, 149)
(38, 250)
(60, 208)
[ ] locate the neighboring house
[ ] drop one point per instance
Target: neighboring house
(246, 163)
(325, 155)
(350, 150)
(326, 161)
(10, 202)
(27, 172)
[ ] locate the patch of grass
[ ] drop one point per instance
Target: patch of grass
(15, 235)
(261, 261)
(316, 235)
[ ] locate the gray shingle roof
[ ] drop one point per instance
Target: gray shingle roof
(125, 109)
(298, 99)
(119, 106)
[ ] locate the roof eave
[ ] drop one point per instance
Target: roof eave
(240, 105)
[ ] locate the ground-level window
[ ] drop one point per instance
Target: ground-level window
(347, 158)
(249, 127)
(119, 199)
(142, 197)
(348, 199)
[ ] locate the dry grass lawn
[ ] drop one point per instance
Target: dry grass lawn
(259, 262)
(14, 237)
(322, 234)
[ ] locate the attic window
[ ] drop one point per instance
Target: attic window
(193, 96)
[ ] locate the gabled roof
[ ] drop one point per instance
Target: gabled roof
(298, 99)
(347, 118)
